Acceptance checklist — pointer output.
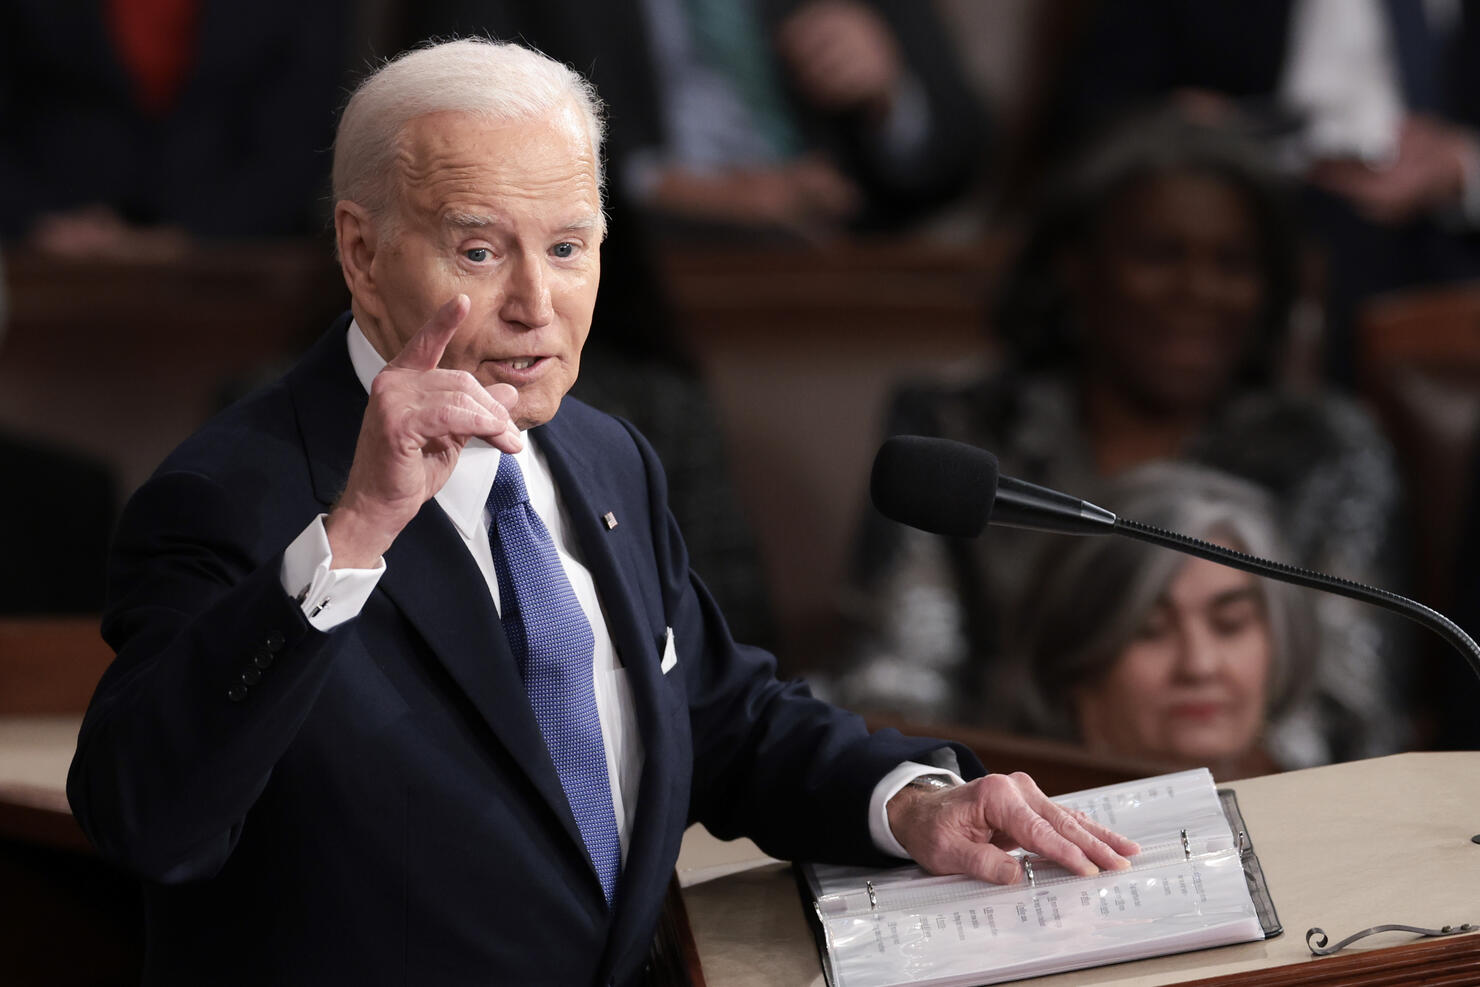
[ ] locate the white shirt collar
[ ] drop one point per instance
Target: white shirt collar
(464, 497)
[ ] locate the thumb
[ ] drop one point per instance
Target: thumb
(424, 350)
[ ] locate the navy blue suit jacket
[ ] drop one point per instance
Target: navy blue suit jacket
(379, 806)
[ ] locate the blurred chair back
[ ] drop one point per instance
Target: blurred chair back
(800, 349)
(49, 664)
(1419, 367)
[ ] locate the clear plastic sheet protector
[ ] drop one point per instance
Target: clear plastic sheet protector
(1195, 884)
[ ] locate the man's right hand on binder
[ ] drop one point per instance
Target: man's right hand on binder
(969, 829)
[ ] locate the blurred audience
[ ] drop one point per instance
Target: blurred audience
(791, 118)
(1141, 651)
(129, 127)
(1374, 102)
(1144, 318)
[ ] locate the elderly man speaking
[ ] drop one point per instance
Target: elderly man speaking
(413, 683)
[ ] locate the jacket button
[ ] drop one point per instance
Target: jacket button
(262, 659)
(236, 693)
(274, 641)
(251, 676)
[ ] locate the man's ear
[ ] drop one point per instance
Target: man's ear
(355, 234)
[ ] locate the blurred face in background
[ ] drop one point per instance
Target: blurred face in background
(1192, 684)
(1172, 291)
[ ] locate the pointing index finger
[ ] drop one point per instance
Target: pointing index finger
(424, 350)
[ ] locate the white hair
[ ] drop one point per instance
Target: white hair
(495, 81)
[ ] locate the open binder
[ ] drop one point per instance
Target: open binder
(1196, 884)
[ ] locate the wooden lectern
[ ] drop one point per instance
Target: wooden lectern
(1344, 848)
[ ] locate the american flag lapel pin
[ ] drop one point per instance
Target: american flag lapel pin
(610, 520)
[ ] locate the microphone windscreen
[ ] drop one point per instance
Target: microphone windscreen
(935, 484)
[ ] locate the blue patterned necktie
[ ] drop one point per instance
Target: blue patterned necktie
(552, 642)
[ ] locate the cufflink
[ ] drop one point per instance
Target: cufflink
(610, 520)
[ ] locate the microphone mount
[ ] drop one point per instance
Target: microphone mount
(955, 489)
(1411, 609)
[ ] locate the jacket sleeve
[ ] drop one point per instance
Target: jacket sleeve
(216, 670)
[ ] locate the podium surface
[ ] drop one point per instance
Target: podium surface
(1343, 847)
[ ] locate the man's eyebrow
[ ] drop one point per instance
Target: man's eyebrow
(586, 224)
(468, 220)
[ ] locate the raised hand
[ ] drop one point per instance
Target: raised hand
(969, 829)
(417, 423)
(841, 54)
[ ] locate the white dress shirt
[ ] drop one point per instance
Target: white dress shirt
(1341, 74)
(330, 597)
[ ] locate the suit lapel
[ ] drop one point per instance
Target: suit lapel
(429, 574)
(437, 585)
(589, 490)
(580, 482)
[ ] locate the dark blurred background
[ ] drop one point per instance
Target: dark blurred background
(1088, 233)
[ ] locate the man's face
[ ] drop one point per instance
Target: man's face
(510, 215)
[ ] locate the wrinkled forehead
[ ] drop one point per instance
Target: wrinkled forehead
(450, 156)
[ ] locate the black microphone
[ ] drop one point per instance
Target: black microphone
(951, 488)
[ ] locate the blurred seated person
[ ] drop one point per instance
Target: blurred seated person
(1144, 318)
(1144, 652)
(129, 127)
(1374, 103)
(799, 118)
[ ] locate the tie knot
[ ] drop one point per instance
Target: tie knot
(508, 486)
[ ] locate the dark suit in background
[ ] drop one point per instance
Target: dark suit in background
(243, 151)
(1136, 52)
(610, 44)
(379, 807)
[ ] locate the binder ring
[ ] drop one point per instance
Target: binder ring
(873, 896)
(1186, 847)
(1028, 870)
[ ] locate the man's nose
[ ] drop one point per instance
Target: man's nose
(527, 294)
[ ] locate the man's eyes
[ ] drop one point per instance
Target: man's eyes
(481, 255)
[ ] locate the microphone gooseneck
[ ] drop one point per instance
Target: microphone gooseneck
(1413, 610)
(952, 488)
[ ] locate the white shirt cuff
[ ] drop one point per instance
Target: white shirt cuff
(328, 596)
(886, 789)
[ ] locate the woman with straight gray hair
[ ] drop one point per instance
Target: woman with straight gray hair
(1141, 651)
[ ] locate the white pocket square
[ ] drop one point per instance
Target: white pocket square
(670, 654)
